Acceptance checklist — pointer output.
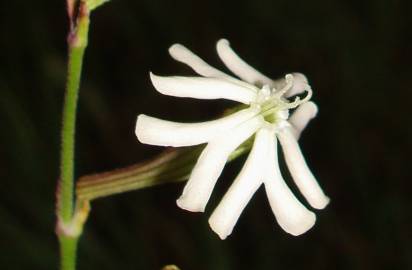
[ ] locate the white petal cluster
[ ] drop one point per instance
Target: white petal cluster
(266, 118)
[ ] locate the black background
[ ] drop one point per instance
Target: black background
(356, 55)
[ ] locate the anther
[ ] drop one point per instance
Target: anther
(263, 94)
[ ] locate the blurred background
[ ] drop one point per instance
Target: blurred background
(356, 55)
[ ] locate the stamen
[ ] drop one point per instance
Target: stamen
(298, 101)
(265, 90)
(262, 96)
(288, 85)
(271, 103)
(276, 104)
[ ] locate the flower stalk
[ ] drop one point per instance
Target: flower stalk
(173, 165)
(169, 166)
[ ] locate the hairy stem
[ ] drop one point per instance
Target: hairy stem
(68, 237)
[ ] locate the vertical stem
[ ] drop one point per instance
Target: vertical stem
(77, 42)
(68, 236)
(68, 249)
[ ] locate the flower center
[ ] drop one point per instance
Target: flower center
(274, 107)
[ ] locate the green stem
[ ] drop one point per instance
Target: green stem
(77, 42)
(172, 166)
(68, 238)
(68, 248)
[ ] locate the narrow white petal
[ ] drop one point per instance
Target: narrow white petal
(203, 88)
(184, 55)
(210, 165)
(300, 172)
(290, 214)
(154, 131)
(239, 67)
(301, 117)
(241, 191)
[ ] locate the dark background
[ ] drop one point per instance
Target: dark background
(355, 53)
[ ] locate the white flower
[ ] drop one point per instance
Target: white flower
(266, 117)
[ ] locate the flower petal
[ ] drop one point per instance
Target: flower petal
(156, 131)
(182, 54)
(300, 172)
(247, 73)
(240, 67)
(210, 165)
(290, 214)
(203, 88)
(241, 191)
(301, 117)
